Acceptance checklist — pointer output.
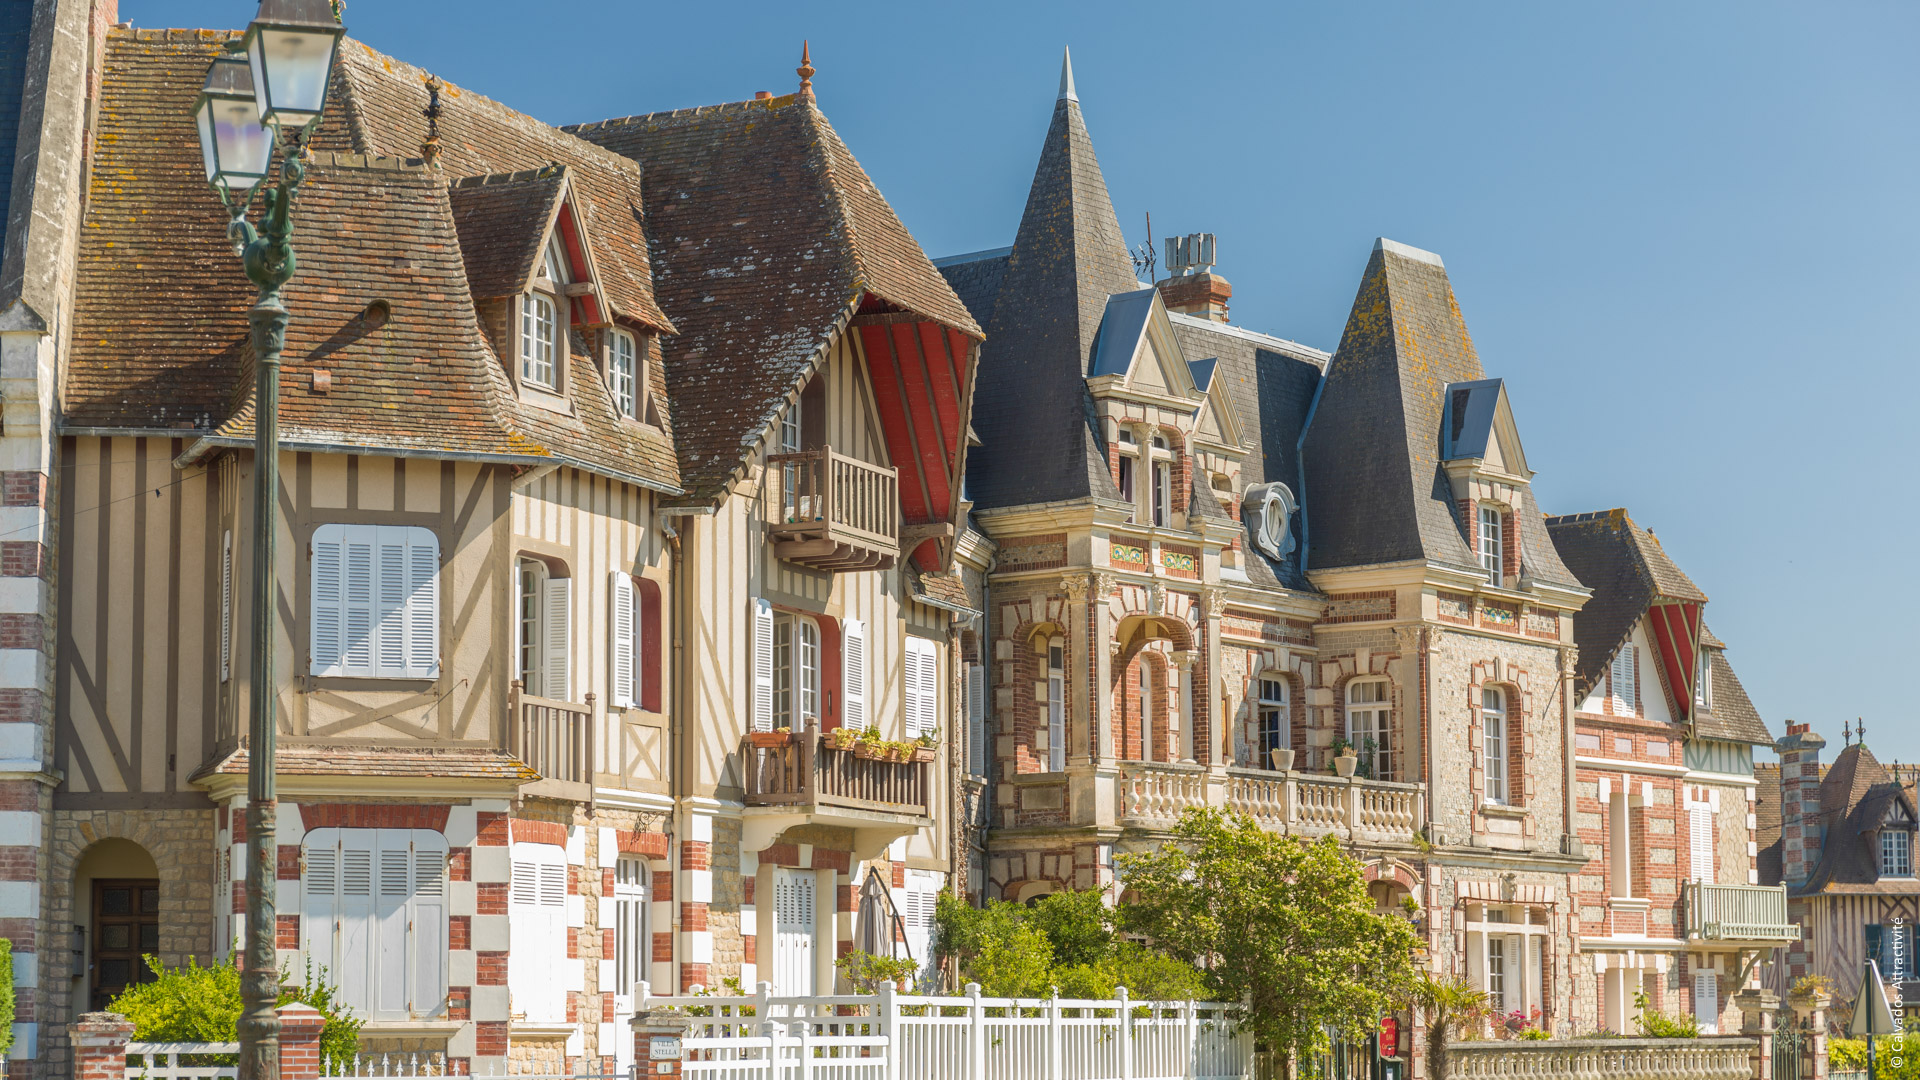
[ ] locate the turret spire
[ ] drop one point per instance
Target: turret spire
(1066, 78)
(805, 71)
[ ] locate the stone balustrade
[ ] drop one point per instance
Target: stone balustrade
(1602, 1059)
(1308, 804)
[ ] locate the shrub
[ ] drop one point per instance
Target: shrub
(1658, 1025)
(1065, 941)
(202, 1004)
(6, 996)
(868, 973)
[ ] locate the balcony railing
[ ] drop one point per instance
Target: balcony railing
(804, 771)
(835, 512)
(1738, 913)
(1288, 802)
(555, 739)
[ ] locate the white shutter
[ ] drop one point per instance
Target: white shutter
(1624, 673)
(226, 605)
(354, 956)
(1706, 1002)
(621, 694)
(557, 629)
(390, 605)
(393, 875)
(537, 933)
(762, 665)
(356, 601)
(1700, 839)
(423, 604)
(853, 674)
(427, 924)
(977, 719)
(320, 907)
(793, 932)
(924, 711)
(329, 616)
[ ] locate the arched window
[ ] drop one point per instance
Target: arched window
(1493, 741)
(544, 624)
(1056, 729)
(1370, 728)
(1272, 725)
(623, 369)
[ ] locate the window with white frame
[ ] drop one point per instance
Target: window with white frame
(787, 690)
(537, 925)
(623, 374)
(1497, 973)
(624, 643)
(796, 671)
(537, 332)
(1896, 853)
(1492, 555)
(922, 697)
(1144, 707)
(1055, 732)
(375, 596)
(1622, 677)
(1370, 726)
(1703, 681)
(1162, 492)
(1493, 741)
(544, 628)
(1274, 728)
(374, 915)
(632, 934)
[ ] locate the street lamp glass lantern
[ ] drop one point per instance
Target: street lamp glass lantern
(234, 147)
(291, 44)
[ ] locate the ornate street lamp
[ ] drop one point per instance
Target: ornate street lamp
(271, 90)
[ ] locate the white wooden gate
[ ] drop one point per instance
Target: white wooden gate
(794, 931)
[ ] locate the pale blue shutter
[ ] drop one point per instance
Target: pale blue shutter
(329, 617)
(423, 604)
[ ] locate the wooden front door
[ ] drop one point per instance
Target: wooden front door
(126, 924)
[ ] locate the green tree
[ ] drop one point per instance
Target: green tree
(6, 995)
(1446, 1006)
(202, 1004)
(1280, 925)
(1065, 941)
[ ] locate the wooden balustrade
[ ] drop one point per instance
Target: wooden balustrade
(832, 511)
(805, 771)
(555, 739)
(1312, 805)
(1738, 912)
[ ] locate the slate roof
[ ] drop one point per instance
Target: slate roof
(768, 235)
(1271, 382)
(975, 278)
(160, 333)
(1467, 424)
(1766, 822)
(1375, 489)
(1121, 325)
(1030, 397)
(1627, 570)
(1856, 795)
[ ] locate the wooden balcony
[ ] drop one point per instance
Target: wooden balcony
(803, 781)
(835, 512)
(555, 739)
(1738, 913)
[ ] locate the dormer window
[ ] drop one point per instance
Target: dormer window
(1491, 551)
(1896, 853)
(536, 341)
(1703, 681)
(622, 372)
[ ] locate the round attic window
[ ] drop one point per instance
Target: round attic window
(1269, 516)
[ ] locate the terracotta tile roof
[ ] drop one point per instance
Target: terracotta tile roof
(1627, 570)
(767, 236)
(501, 218)
(448, 763)
(945, 590)
(381, 302)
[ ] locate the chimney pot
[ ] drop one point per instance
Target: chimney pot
(762, 95)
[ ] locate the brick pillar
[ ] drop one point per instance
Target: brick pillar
(100, 1045)
(1756, 1019)
(1800, 837)
(300, 1041)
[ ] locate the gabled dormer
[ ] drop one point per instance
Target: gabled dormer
(538, 291)
(1487, 470)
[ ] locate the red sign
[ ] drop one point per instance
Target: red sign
(1389, 1036)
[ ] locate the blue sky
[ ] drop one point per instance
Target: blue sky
(1684, 233)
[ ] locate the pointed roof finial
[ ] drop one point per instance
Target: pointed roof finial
(1860, 729)
(430, 150)
(1846, 732)
(1066, 78)
(805, 71)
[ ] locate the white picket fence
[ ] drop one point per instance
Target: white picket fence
(893, 1036)
(888, 1036)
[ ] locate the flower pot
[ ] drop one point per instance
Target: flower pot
(834, 740)
(899, 754)
(769, 740)
(923, 753)
(1345, 764)
(1282, 759)
(864, 749)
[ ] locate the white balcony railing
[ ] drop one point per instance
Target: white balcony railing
(1289, 802)
(1738, 912)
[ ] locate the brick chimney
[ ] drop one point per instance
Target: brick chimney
(1799, 802)
(1193, 288)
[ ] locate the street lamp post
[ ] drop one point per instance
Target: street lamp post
(273, 89)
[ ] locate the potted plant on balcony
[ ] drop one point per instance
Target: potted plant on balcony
(1344, 759)
(842, 738)
(870, 745)
(770, 740)
(927, 746)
